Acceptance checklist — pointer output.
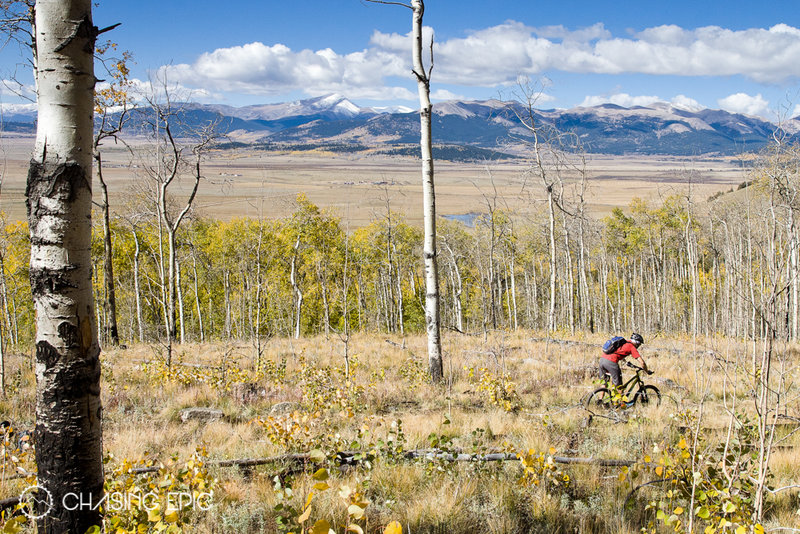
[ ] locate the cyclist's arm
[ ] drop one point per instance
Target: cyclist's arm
(637, 356)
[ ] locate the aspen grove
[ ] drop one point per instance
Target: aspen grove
(681, 266)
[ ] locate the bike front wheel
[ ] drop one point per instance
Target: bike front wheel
(600, 397)
(648, 396)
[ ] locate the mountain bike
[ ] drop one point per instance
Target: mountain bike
(631, 392)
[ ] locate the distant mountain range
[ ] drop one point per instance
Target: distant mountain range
(468, 129)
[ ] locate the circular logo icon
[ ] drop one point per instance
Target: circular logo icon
(37, 498)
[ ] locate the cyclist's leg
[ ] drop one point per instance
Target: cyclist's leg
(612, 369)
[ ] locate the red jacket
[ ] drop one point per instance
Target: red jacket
(623, 352)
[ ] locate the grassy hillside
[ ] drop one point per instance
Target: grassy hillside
(511, 392)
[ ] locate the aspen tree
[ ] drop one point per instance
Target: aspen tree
(428, 194)
(68, 431)
(111, 121)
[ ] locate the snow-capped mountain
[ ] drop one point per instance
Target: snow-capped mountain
(490, 125)
(333, 106)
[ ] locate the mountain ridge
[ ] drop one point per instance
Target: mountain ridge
(493, 125)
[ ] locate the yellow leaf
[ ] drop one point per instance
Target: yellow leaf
(320, 527)
(393, 528)
(741, 530)
(682, 444)
(355, 511)
(354, 528)
(659, 470)
(304, 516)
(647, 459)
(171, 517)
(678, 511)
(14, 525)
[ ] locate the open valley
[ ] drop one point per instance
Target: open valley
(247, 182)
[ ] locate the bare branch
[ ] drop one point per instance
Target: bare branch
(389, 3)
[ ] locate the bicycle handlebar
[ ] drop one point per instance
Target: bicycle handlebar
(629, 364)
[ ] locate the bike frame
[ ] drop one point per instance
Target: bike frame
(627, 388)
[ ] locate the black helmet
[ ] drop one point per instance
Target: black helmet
(637, 338)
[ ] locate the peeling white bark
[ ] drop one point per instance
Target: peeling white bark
(428, 200)
(68, 413)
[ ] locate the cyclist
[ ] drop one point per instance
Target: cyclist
(609, 363)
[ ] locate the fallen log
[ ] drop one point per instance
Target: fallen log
(349, 458)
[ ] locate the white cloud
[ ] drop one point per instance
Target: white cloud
(597, 31)
(18, 108)
(684, 102)
(744, 103)
(13, 88)
(444, 94)
(627, 101)
(256, 68)
(620, 99)
(496, 56)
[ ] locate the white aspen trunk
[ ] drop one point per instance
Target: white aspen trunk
(179, 293)
(172, 330)
(491, 274)
(68, 435)
(793, 278)
(326, 311)
(551, 314)
(162, 275)
(428, 200)
(513, 289)
(457, 290)
(400, 303)
(570, 277)
(2, 363)
(257, 325)
(136, 287)
(197, 300)
(298, 293)
(10, 326)
(228, 312)
(108, 264)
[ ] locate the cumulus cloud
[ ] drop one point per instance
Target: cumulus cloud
(256, 68)
(14, 88)
(626, 100)
(744, 103)
(18, 108)
(496, 56)
(444, 94)
(684, 102)
(620, 99)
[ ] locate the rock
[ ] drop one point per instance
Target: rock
(205, 415)
(282, 408)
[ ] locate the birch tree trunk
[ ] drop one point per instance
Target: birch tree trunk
(68, 431)
(428, 200)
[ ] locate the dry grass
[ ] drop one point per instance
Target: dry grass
(142, 422)
(249, 183)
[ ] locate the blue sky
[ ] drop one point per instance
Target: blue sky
(738, 55)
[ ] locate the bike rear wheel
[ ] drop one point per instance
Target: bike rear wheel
(648, 396)
(600, 397)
